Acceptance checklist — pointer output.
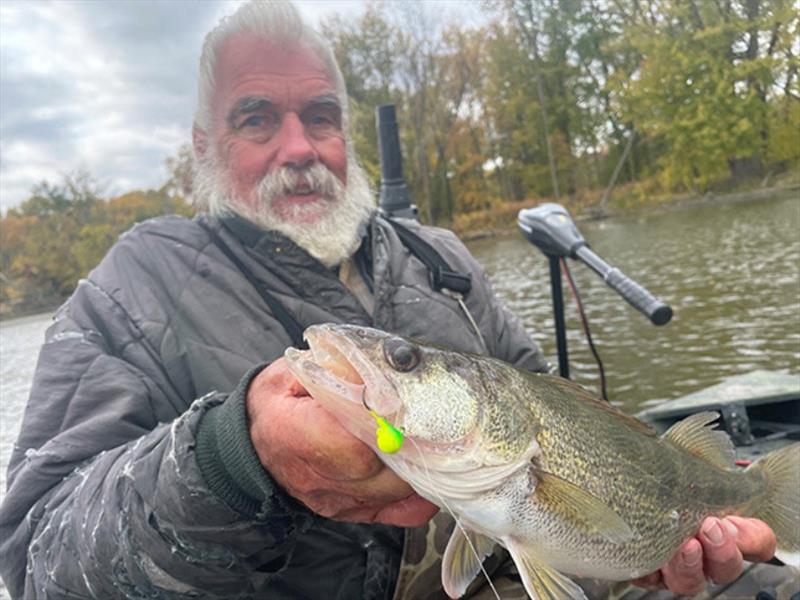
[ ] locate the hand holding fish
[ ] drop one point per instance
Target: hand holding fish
(312, 457)
(717, 554)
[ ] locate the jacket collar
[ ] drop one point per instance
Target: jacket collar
(257, 238)
(250, 234)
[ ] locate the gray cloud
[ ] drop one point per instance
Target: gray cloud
(104, 86)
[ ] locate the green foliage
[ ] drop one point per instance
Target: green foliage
(706, 84)
(710, 90)
(783, 121)
(366, 51)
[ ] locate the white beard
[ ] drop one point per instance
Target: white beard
(329, 229)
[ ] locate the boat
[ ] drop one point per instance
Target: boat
(760, 410)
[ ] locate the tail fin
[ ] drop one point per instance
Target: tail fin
(780, 508)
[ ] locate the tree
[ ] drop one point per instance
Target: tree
(180, 168)
(705, 83)
(61, 232)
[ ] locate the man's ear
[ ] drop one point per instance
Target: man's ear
(199, 141)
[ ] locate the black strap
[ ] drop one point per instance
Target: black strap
(285, 318)
(441, 275)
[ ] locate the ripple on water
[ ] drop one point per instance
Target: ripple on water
(730, 272)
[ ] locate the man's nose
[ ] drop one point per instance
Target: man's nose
(294, 148)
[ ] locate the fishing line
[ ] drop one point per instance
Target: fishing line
(396, 439)
(455, 518)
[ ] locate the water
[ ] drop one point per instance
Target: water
(20, 340)
(730, 272)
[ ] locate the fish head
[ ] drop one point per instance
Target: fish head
(435, 396)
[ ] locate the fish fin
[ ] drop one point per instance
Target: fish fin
(460, 564)
(779, 507)
(574, 390)
(541, 581)
(578, 505)
(696, 435)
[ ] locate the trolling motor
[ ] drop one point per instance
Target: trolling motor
(395, 200)
(550, 228)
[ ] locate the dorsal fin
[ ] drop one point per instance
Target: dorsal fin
(576, 391)
(696, 435)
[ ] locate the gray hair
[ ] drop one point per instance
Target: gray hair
(274, 20)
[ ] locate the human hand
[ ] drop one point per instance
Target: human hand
(311, 456)
(717, 553)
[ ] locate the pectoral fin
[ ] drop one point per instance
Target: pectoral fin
(580, 507)
(540, 580)
(462, 562)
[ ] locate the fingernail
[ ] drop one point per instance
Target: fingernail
(692, 556)
(731, 528)
(714, 532)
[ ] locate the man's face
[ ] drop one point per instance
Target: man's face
(276, 107)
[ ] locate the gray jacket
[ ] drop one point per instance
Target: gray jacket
(107, 494)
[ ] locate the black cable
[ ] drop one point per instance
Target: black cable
(585, 325)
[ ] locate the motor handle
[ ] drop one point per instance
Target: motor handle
(637, 296)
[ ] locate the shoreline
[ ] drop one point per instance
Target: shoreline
(584, 214)
(33, 311)
(22, 319)
(674, 203)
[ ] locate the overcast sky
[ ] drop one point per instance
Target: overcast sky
(105, 86)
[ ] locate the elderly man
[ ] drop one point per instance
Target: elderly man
(159, 458)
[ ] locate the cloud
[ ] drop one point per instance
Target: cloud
(104, 86)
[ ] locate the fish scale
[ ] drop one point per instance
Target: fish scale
(580, 444)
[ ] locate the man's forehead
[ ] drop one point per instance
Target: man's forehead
(248, 55)
(253, 71)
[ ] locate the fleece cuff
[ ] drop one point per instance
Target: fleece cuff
(229, 463)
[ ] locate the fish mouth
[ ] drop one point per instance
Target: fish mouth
(340, 375)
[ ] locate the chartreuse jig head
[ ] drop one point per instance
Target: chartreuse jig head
(388, 437)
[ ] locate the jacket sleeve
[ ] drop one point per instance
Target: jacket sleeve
(106, 498)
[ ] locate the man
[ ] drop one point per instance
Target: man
(158, 458)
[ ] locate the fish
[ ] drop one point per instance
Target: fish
(565, 482)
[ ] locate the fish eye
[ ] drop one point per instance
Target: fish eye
(401, 355)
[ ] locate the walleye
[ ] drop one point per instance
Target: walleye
(562, 480)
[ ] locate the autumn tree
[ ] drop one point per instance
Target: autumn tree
(61, 232)
(708, 78)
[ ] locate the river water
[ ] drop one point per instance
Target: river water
(731, 273)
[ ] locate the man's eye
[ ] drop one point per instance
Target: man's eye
(254, 121)
(321, 120)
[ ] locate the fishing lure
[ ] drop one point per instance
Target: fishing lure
(388, 437)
